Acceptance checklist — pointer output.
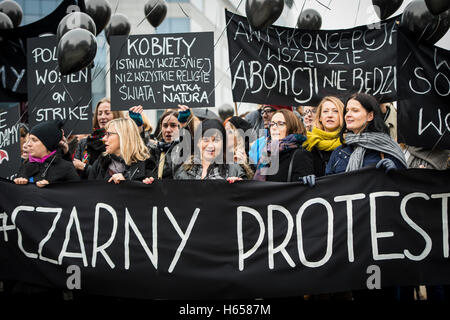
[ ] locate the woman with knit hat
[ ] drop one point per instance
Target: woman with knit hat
(126, 157)
(209, 159)
(365, 138)
(45, 164)
(287, 135)
(324, 137)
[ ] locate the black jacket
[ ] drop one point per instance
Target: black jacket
(137, 171)
(321, 159)
(54, 169)
(302, 165)
(94, 148)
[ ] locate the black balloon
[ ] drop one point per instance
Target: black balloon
(76, 50)
(386, 8)
(75, 20)
(118, 26)
(437, 6)
(309, 19)
(5, 22)
(263, 13)
(423, 24)
(13, 10)
(155, 12)
(100, 12)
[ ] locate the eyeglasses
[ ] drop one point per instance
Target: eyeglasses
(277, 124)
(267, 111)
(311, 111)
(108, 134)
(172, 125)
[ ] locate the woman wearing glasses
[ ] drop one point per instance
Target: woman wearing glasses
(284, 158)
(126, 156)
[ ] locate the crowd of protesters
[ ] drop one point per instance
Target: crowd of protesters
(272, 143)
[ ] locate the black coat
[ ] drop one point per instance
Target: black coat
(54, 169)
(137, 171)
(321, 159)
(302, 165)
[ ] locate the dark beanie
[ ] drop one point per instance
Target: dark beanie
(240, 123)
(49, 133)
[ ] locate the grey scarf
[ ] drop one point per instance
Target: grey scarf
(374, 141)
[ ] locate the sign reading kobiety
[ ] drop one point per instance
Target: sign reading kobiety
(286, 66)
(424, 90)
(52, 96)
(162, 70)
(214, 240)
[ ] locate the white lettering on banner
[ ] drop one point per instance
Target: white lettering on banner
(47, 76)
(9, 136)
(69, 113)
(442, 126)
(17, 73)
(250, 237)
(159, 46)
(427, 85)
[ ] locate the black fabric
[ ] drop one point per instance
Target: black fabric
(136, 171)
(49, 133)
(240, 123)
(320, 160)
(53, 169)
(136, 230)
(301, 166)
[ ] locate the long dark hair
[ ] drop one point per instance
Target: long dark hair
(371, 105)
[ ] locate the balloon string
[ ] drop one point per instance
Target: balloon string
(296, 27)
(357, 12)
(323, 4)
(183, 10)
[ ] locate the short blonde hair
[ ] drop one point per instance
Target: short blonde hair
(340, 106)
(132, 148)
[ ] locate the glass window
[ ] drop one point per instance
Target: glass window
(198, 4)
(174, 25)
(32, 7)
(47, 6)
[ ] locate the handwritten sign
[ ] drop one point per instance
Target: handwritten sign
(424, 88)
(286, 66)
(9, 142)
(161, 71)
(53, 96)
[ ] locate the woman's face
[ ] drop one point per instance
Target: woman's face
(35, 147)
(104, 114)
(356, 117)
(211, 147)
(170, 128)
(278, 127)
(329, 117)
(112, 141)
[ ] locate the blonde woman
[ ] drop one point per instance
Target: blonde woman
(324, 136)
(126, 156)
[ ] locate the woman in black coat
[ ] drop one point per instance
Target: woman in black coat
(44, 164)
(284, 159)
(126, 156)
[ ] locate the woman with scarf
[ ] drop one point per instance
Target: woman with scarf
(90, 148)
(209, 159)
(365, 138)
(44, 164)
(287, 135)
(324, 136)
(126, 156)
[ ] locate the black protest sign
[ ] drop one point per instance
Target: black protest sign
(52, 96)
(162, 70)
(9, 142)
(285, 66)
(206, 240)
(424, 90)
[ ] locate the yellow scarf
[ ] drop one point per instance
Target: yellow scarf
(325, 141)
